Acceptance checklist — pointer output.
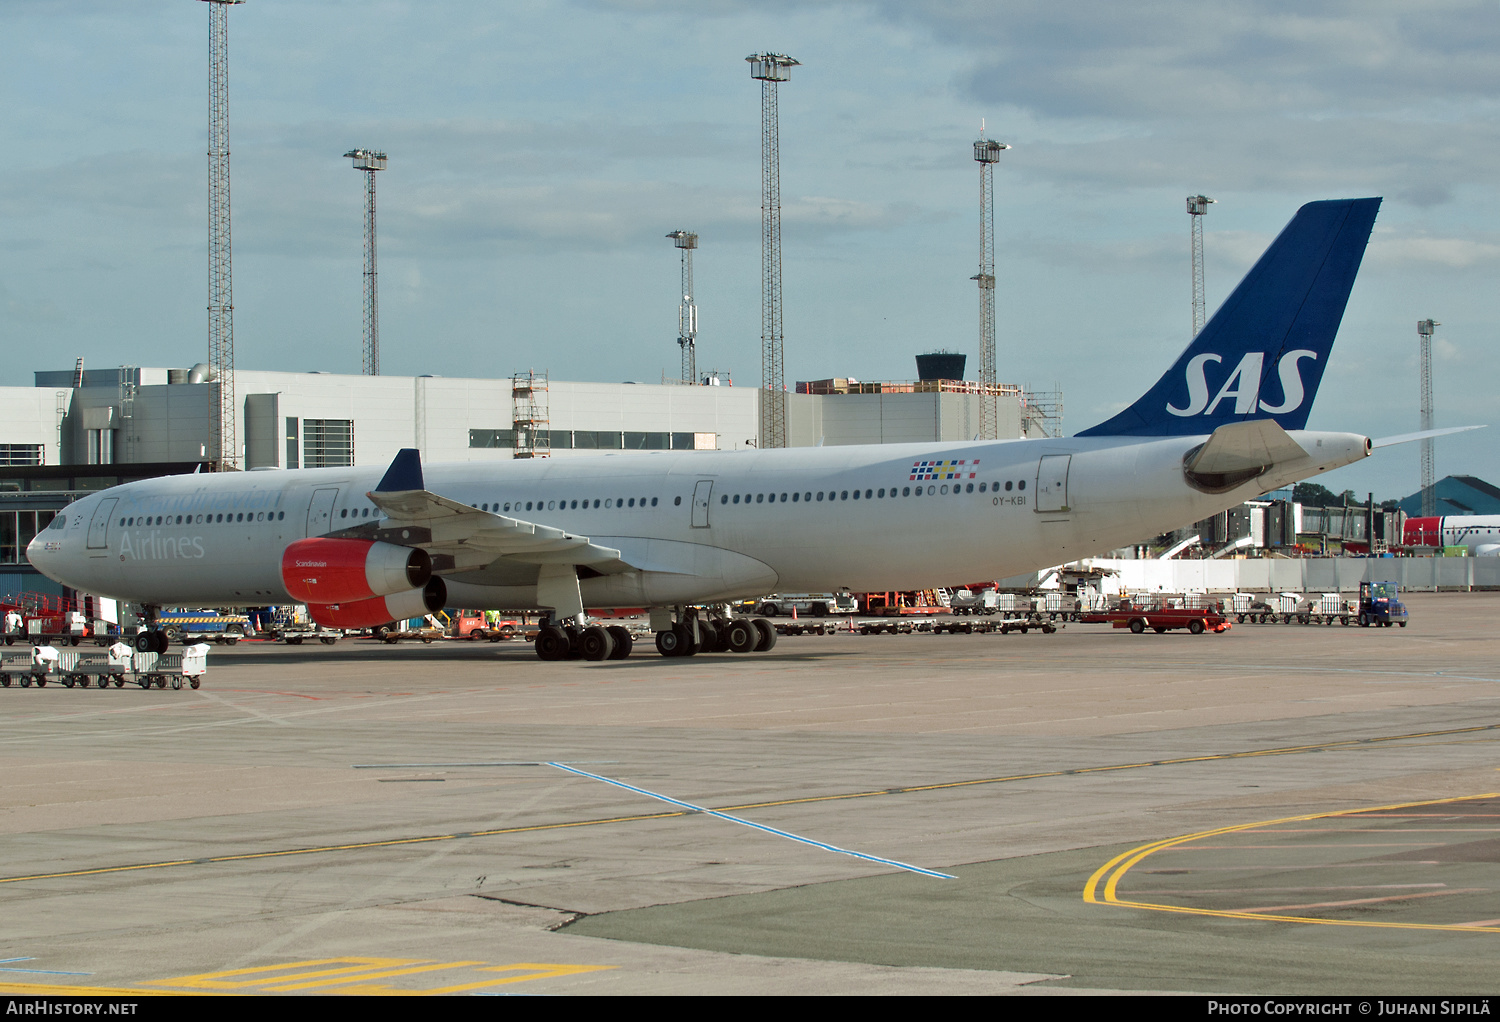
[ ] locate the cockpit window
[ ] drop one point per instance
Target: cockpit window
(59, 523)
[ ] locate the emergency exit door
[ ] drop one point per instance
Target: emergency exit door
(701, 495)
(1052, 482)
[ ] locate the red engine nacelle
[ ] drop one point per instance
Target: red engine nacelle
(382, 609)
(327, 571)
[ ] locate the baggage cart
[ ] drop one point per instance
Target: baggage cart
(79, 667)
(23, 668)
(158, 668)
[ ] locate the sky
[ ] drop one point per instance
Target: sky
(540, 151)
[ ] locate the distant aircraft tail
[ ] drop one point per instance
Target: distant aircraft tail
(1263, 354)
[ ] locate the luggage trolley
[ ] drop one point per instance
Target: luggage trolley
(22, 667)
(76, 667)
(191, 664)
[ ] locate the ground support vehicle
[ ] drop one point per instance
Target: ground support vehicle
(75, 667)
(1161, 619)
(1378, 605)
(23, 668)
(293, 626)
(158, 668)
(190, 626)
(974, 601)
(812, 604)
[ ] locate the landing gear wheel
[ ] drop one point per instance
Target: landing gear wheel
(708, 637)
(742, 635)
(767, 635)
(552, 643)
(624, 641)
(596, 643)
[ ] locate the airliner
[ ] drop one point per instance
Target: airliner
(680, 532)
(1480, 533)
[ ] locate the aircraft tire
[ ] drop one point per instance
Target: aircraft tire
(708, 637)
(624, 642)
(596, 644)
(669, 642)
(767, 635)
(552, 643)
(742, 635)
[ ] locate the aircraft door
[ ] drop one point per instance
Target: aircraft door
(320, 511)
(99, 524)
(1052, 482)
(701, 495)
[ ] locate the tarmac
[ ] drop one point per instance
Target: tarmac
(1280, 809)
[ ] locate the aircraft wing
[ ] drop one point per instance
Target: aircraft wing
(462, 538)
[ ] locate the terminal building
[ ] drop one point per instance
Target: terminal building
(80, 430)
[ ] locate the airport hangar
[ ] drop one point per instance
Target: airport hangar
(78, 431)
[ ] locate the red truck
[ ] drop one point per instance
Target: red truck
(1159, 619)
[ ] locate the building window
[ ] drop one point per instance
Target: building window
(17, 530)
(327, 443)
(21, 454)
(492, 438)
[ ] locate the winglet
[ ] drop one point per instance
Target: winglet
(405, 472)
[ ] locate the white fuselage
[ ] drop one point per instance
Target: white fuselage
(694, 526)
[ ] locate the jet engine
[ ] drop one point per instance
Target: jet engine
(382, 609)
(328, 571)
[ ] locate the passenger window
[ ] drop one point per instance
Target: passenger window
(820, 494)
(632, 502)
(736, 498)
(653, 501)
(806, 497)
(1007, 486)
(760, 498)
(905, 491)
(783, 498)
(675, 501)
(1021, 485)
(796, 497)
(724, 499)
(856, 494)
(844, 495)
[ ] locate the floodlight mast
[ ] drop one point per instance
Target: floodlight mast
(687, 309)
(222, 440)
(770, 69)
(1197, 207)
(370, 161)
(1429, 468)
(987, 154)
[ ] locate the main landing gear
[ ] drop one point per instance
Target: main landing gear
(572, 641)
(691, 635)
(687, 635)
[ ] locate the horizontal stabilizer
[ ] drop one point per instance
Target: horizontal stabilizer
(1406, 438)
(1242, 446)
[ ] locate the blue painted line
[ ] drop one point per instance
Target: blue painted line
(7, 961)
(46, 972)
(752, 824)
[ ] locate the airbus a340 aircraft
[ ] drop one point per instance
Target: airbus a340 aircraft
(677, 531)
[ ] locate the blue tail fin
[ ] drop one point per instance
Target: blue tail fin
(1263, 354)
